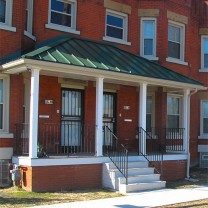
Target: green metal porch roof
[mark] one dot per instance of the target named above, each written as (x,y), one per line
(81,52)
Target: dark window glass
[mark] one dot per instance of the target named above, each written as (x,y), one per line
(205,126)
(148,122)
(114,21)
(114,32)
(148,46)
(61,13)
(173,121)
(205,60)
(174,50)
(3,11)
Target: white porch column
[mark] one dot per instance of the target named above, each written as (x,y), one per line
(142,114)
(99,117)
(186,115)
(33,124)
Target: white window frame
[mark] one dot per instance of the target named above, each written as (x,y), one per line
(8,17)
(180,108)
(153,56)
(63,28)
(181,60)
(4,132)
(202,134)
(28,31)
(203,69)
(125,27)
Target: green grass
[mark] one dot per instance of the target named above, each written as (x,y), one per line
(15,197)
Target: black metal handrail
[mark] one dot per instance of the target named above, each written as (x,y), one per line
(116,151)
(154,150)
(170,138)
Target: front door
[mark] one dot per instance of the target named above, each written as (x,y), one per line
(71,120)
(109,114)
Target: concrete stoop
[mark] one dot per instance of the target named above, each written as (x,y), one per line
(140,178)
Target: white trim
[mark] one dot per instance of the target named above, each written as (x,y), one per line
(61,28)
(182,42)
(20,65)
(6,135)
(29,35)
(203,70)
(151,58)
(203,148)
(143,20)
(58,161)
(7,27)
(125,27)
(71,29)
(116,40)
(203,136)
(176,61)
(29,8)
(202,54)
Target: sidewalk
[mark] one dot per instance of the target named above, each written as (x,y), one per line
(141,199)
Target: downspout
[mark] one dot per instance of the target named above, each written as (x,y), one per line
(188,142)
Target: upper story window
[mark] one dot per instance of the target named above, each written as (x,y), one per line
(29,20)
(6,15)
(204,117)
(173,111)
(176,43)
(62,15)
(204,53)
(116,27)
(148,38)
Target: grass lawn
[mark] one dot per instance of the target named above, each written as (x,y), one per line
(14,197)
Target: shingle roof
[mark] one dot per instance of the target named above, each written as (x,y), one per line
(101,56)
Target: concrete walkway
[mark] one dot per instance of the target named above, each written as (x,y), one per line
(141,199)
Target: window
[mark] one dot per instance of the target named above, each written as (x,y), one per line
(174,111)
(6,15)
(116,27)
(176,42)
(204,117)
(204,52)
(4,104)
(4,173)
(29,20)
(148,38)
(149,116)
(62,15)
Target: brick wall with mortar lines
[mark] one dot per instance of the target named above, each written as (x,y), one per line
(60,178)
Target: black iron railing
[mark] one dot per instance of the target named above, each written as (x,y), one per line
(171,139)
(116,151)
(57,139)
(153,151)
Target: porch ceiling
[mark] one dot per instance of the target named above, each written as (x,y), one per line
(95,55)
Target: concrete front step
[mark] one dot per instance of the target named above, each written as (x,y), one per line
(134,187)
(140,178)
(134,171)
(138,164)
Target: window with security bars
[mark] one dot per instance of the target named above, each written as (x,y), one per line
(4,172)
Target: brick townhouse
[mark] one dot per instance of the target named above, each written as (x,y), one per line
(103,93)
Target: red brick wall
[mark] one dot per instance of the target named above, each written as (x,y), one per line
(59,178)
(172,170)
